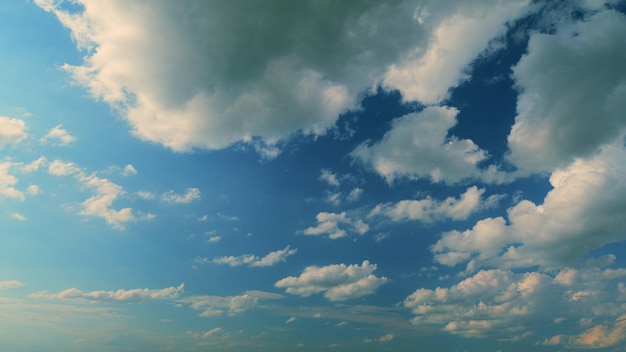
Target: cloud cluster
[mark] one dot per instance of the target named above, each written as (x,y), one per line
(339,282)
(583,211)
(213,306)
(134,295)
(252,260)
(210,74)
(428,210)
(329,224)
(572,92)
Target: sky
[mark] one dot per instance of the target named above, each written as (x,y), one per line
(312,175)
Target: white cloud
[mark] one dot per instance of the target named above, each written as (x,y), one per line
(426,74)
(270,259)
(34,165)
(290,320)
(329,224)
(10,284)
(122,295)
(32,190)
(12,131)
(568,108)
(18,217)
(129,170)
(382,339)
(207,75)
(8,181)
(212,332)
(583,211)
(214,239)
(338,282)
(330,178)
(59,134)
(61,168)
(355,194)
(145,195)
(429,210)
(213,306)
(189,196)
(417,146)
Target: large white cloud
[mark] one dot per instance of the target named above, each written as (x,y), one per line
(208,74)
(572,92)
(339,282)
(584,210)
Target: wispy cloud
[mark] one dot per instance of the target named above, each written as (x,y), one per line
(121,295)
(191,195)
(251,260)
(58,134)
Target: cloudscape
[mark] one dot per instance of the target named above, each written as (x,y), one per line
(311,175)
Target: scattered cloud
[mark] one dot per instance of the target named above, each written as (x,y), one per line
(129,170)
(330,178)
(355,194)
(290,320)
(382,339)
(214,306)
(339,282)
(329,224)
(12,131)
(18,216)
(10,284)
(188,197)
(8,181)
(212,332)
(59,135)
(121,295)
(251,260)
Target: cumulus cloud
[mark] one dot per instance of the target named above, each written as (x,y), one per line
(330,178)
(12,131)
(583,211)
(418,146)
(18,216)
(382,339)
(213,306)
(121,295)
(58,134)
(8,182)
(428,210)
(210,74)
(129,170)
(329,224)
(188,197)
(567,108)
(10,284)
(270,259)
(339,282)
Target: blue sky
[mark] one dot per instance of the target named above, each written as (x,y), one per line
(312,175)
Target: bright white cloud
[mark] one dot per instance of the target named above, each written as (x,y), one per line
(122,295)
(62,168)
(583,211)
(214,306)
(417,146)
(329,224)
(339,282)
(10,284)
(188,197)
(211,74)
(567,108)
(12,131)
(8,181)
(429,210)
(270,259)
(60,135)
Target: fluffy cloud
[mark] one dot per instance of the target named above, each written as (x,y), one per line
(330,178)
(569,107)
(18,216)
(8,181)
(188,197)
(329,224)
(583,211)
(338,282)
(210,74)
(134,295)
(212,306)
(10,284)
(59,134)
(12,131)
(429,210)
(418,146)
(270,259)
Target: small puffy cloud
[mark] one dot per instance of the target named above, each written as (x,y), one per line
(209,75)
(339,282)
(355,194)
(34,165)
(382,339)
(12,131)
(18,217)
(129,170)
(583,211)
(418,146)
(145,195)
(188,197)
(214,306)
(428,210)
(121,295)
(290,320)
(62,168)
(214,239)
(599,336)
(59,135)
(8,181)
(10,284)
(568,108)
(329,224)
(330,178)
(32,190)
(270,259)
